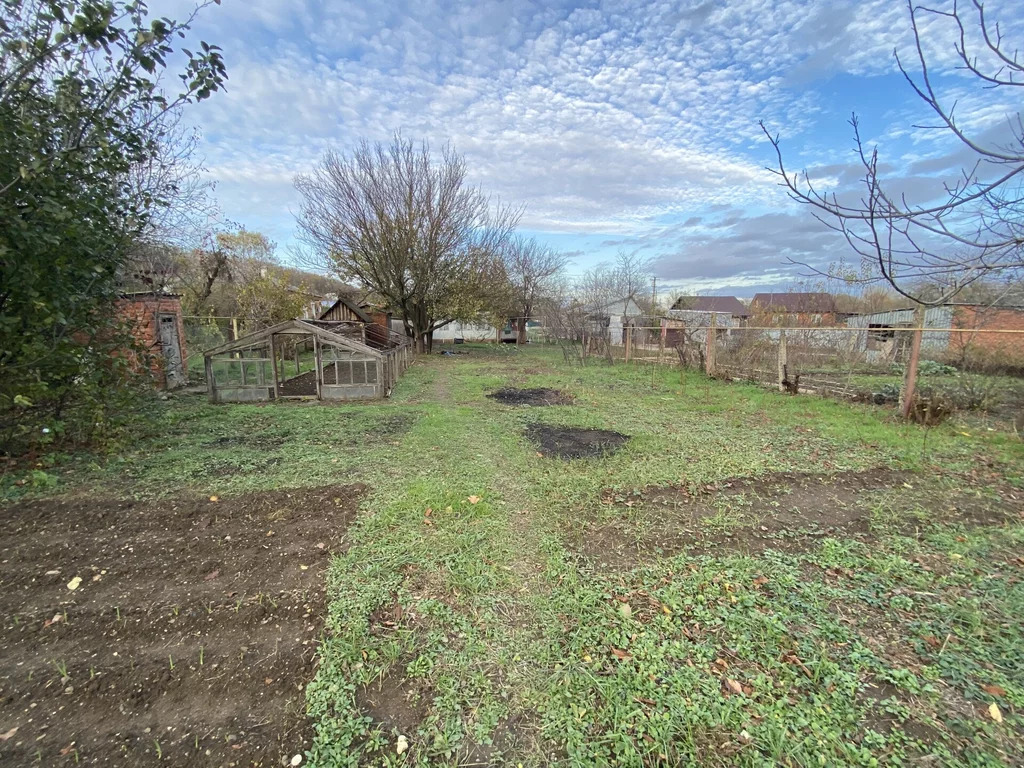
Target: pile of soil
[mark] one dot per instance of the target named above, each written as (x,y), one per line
(304,384)
(187,639)
(573,442)
(538,396)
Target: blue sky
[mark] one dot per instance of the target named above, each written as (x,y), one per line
(616,124)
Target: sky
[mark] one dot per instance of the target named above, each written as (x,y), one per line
(616,125)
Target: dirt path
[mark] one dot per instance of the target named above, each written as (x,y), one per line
(189,634)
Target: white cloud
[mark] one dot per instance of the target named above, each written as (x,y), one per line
(606,119)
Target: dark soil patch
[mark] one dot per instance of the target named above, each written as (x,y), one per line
(573,442)
(538,396)
(194,626)
(786,511)
(303,385)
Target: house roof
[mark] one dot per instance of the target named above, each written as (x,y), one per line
(728,304)
(795,302)
(356,309)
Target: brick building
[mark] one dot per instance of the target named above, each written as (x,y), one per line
(156,323)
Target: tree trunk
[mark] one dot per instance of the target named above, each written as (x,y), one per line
(521,331)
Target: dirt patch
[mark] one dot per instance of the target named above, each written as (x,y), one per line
(573,442)
(537,396)
(190,634)
(786,511)
(395,704)
(303,385)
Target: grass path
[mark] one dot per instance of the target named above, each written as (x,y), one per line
(510,648)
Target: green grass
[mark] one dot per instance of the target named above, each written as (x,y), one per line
(512,647)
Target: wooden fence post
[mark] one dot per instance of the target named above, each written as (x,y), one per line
(910,378)
(629,338)
(709,356)
(782,360)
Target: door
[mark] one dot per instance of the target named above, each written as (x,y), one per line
(170,348)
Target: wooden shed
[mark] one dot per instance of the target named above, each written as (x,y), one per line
(305,359)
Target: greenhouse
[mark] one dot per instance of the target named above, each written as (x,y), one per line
(306,360)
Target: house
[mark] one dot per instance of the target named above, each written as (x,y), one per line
(728,305)
(155,321)
(613,318)
(961,331)
(812,308)
(375,321)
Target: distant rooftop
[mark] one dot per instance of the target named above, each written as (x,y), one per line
(728,304)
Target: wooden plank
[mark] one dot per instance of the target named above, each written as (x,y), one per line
(273,360)
(317,365)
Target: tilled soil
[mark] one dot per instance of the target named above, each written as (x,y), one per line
(189,635)
(787,511)
(536,396)
(573,442)
(302,385)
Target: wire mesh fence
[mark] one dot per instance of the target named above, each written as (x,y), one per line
(203,333)
(979,370)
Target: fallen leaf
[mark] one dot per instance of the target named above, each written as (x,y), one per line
(402,745)
(619,653)
(733,685)
(429,511)
(57,618)
(9,734)
(994,690)
(473,499)
(68,749)
(994,713)
(211,575)
(268,680)
(626,610)
(75,583)
(666,610)
(214,498)
(760,581)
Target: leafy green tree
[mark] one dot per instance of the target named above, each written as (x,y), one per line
(81,106)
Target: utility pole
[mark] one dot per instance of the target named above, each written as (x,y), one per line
(654,294)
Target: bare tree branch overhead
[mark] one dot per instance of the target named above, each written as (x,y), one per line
(974,228)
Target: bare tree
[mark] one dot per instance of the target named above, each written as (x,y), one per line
(412,231)
(531,269)
(974,229)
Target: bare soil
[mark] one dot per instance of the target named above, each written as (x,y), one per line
(303,385)
(188,639)
(573,442)
(785,511)
(537,396)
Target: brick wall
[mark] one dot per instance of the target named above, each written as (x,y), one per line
(141,313)
(977,320)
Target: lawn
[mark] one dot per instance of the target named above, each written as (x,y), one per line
(750,579)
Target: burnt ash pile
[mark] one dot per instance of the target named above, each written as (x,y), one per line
(538,396)
(574,442)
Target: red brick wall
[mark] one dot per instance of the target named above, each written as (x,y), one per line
(141,313)
(977,320)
